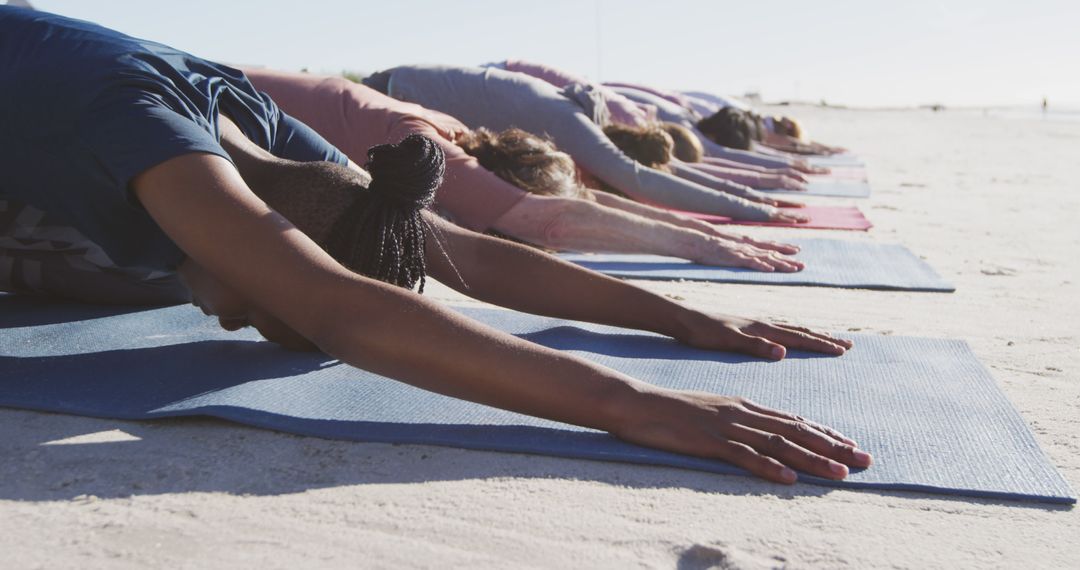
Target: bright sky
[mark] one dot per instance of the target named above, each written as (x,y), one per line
(857,52)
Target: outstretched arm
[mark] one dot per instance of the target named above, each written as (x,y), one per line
(581,225)
(667,216)
(725,163)
(688,172)
(753,179)
(201,202)
(579,137)
(479,266)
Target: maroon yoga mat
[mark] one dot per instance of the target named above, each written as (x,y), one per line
(821,218)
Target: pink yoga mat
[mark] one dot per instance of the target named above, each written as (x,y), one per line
(821,218)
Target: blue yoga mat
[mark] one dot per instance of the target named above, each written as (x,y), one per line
(928,411)
(829,263)
(842,188)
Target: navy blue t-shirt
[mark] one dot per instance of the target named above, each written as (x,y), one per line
(84,109)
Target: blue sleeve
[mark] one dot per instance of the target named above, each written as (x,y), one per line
(299,142)
(125,136)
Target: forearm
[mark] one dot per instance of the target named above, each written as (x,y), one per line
(542,284)
(750,178)
(744,156)
(708,180)
(732,164)
(598,156)
(403,336)
(670,191)
(441,352)
(657,214)
(611,224)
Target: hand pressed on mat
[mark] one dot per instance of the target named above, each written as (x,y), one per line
(775,202)
(788,217)
(756,338)
(749,255)
(766,442)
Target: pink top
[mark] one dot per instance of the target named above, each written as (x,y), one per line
(354,118)
(623,110)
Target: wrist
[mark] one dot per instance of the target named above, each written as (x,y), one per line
(687,321)
(626,404)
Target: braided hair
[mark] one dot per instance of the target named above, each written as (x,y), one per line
(381,233)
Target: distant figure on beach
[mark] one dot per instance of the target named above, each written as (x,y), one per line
(136,173)
(1044,105)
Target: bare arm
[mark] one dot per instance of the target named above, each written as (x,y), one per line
(591,149)
(201,202)
(753,179)
(582,225)
(685,171)
(478,266)
(661,215)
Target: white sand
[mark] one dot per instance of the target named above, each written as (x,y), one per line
(992,203)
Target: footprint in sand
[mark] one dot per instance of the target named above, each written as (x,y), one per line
(720,557)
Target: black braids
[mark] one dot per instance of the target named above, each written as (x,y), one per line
(419,269)
(382,233)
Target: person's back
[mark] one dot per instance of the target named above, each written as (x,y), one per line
(354,118)
(344,105)
(499,100)
(80,125)
(623,111)
(481,97)
(665,110)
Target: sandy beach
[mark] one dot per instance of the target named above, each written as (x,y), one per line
(990,201)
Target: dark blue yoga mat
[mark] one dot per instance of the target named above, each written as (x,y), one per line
(929,412)
(829,263)
(837,188)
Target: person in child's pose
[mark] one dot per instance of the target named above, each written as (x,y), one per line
(573,117)
(512,182)
(115,145)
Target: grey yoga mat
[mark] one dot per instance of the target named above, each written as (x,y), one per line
(829,263)
(929,412)
(837,188)
(843,159)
